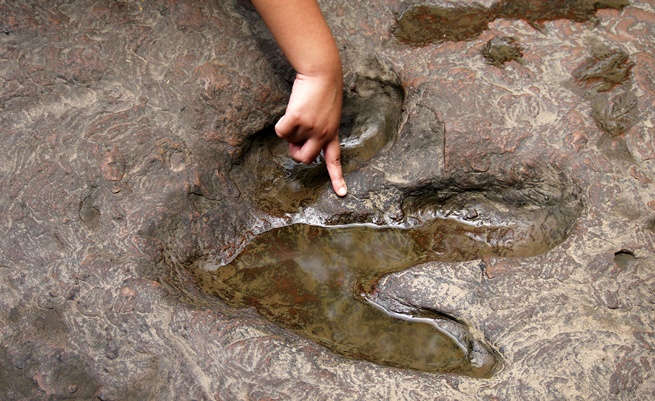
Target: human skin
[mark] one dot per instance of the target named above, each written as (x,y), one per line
(311,121)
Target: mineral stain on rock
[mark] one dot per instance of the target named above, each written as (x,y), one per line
(424,24)
(321,281)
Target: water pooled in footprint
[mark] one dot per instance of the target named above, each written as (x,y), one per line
(309,279)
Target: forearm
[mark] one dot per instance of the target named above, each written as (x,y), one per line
(301,32)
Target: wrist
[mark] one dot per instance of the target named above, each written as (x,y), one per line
(324,65)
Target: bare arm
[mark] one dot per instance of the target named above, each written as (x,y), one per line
(311,122)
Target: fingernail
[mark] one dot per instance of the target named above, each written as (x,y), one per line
(342,191)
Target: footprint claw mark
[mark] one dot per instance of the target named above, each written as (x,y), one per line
(321,281)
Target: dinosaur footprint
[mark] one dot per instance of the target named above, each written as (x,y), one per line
(320,281)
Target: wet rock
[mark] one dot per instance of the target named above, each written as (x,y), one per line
(266,176)
(135,148)
(424,24)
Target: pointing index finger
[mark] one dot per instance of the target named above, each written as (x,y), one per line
(332,153)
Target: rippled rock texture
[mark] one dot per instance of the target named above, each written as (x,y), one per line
(157,239)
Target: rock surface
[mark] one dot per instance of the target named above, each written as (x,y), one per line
(136,145)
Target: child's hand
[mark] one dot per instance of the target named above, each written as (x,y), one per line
(313,115)
(311,122)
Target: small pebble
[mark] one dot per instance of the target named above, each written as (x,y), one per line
(471,214)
